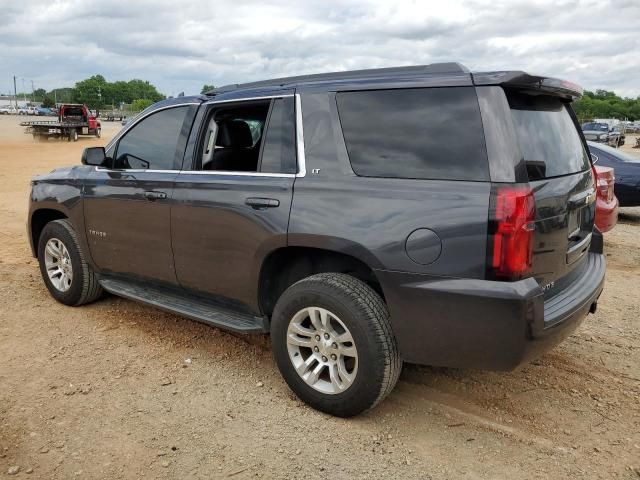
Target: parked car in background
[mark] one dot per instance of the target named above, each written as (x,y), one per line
(45,112)
(32,110)
(23,110)
(602,133)
(8,110)
(606,200)
(627,172)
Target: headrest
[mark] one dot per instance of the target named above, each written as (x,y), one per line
(234,133)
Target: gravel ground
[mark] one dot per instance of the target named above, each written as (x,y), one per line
(120,390)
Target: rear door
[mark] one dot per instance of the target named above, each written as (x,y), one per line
(231,205)
(559,172)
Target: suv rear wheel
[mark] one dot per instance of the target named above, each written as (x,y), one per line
(333,343)
(66,274)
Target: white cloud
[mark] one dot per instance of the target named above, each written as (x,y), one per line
(180,47)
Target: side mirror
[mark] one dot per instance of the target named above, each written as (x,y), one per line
(94,156)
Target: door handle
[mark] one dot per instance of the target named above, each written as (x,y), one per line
(150,195)
(261,203)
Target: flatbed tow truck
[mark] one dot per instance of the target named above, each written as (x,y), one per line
(73,120)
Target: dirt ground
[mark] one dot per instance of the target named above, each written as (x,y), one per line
(120,390)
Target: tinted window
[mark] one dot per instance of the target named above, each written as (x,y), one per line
(414,133)
(547,135)
(278,154)
(152,143)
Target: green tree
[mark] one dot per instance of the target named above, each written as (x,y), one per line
(96,92)
(48,102)
(141,104)
(39,94)
(90,91)
(206,88)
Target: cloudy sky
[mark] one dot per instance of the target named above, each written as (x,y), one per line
(180,47)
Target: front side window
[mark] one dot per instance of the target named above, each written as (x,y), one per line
(152,143)
(422,133)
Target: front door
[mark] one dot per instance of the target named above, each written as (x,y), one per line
(231,208)
(127,206)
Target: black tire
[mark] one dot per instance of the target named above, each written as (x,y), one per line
(98,132)
(84,286)
(74,135)
(366,317)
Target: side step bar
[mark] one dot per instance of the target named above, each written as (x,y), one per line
(195,308)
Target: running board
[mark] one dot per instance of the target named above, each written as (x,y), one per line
(195,308)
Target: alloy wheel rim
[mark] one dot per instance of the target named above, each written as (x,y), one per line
(58,264)
(322,350)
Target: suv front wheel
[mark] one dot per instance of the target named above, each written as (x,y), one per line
(66,274)
(333,343)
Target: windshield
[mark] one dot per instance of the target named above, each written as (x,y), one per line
(547,135)
(596,126)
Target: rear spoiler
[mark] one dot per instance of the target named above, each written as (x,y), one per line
(524,81)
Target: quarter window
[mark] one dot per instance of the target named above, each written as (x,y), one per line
(424,133)
(151,143)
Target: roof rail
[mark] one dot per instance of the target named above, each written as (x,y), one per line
(432,69)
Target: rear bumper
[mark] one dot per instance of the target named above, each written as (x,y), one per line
(485,324)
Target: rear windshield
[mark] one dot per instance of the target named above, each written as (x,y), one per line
(424,133)
(548,138)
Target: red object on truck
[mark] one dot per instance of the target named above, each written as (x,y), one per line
(606,200)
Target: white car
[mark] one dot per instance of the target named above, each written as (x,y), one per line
(8,110)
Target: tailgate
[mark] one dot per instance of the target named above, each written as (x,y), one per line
(559,171)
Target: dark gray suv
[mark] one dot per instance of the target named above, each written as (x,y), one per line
(420,214)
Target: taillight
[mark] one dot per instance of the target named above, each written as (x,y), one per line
(511,229)
(604,185)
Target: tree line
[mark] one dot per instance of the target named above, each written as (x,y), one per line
(606,104)
(97,93)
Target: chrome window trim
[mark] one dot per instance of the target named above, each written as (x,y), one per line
(134,170)
(299,144)
(129,126)
(233,173)
(301,160)
(302,163)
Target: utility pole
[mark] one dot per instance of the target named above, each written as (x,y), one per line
(15,91)
(33,92)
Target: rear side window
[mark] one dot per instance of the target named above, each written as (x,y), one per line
(547,135)
(279,154)
(423,133)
